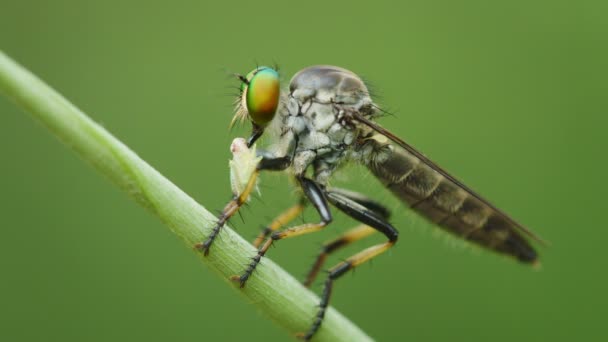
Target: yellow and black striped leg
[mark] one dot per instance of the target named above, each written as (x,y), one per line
(350,236)
(270,164)
(368,217)
(314,193)
(335,273)
(229,210)
(281,220)
(347,238)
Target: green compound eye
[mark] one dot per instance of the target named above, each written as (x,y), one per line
(261,95)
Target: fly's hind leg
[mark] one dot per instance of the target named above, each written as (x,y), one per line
(368,217)
(352,235)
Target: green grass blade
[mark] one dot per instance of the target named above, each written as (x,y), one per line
(275,292)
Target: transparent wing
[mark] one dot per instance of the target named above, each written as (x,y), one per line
(444,200)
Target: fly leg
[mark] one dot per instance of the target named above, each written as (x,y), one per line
(368,217)
(355,234)
(315,194)
(377,208)
(281,220)
(229,210)
(271,164)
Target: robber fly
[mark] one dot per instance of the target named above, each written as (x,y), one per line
(325,118)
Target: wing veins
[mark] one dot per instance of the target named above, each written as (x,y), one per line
(444,173)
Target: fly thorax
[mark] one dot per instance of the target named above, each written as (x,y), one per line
(315,111)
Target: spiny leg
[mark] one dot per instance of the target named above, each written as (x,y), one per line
(350,236)
(336,272)
(281,220)
(354,234)
(315,194)
(370,218)
(270,164)
(229,210)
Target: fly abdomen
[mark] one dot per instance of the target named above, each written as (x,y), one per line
(447,204)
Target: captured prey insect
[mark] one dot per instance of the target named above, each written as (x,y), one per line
(325,118)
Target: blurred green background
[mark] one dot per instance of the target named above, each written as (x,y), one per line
(509,96)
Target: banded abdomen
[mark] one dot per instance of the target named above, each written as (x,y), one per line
(449,205)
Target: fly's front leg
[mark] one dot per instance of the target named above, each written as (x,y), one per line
(278,164)
(271,164)
(315,194)
(229,210)
(368,217)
